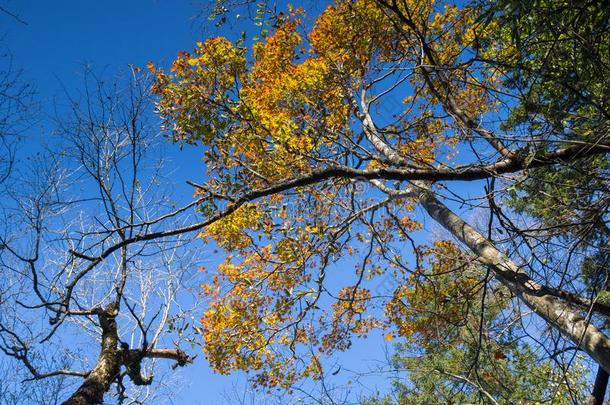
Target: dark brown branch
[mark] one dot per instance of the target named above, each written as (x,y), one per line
(81,255)
(181,357)
(13,15)
(509,165)
(504,166)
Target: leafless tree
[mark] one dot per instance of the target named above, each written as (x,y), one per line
(94,324)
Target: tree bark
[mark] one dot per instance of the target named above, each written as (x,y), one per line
(112,357)
(566,318)
(108,365)
(599,388)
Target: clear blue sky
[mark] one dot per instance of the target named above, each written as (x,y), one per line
(60,37)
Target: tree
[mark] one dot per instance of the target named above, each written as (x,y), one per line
(321,142)
(79,324)
(462,348)
(562,88)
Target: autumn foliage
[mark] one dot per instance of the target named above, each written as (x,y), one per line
(294,103)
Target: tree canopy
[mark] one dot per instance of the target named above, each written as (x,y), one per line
(321,140)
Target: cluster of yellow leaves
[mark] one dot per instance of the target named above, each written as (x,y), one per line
(252,311)
(314,368)
(197,84)
(455,30)
(274,112)
(299,105)
(231,232)
(434,303)
(399,225)
(240,325)
(350,33)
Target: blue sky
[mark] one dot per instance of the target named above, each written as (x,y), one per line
(61,37)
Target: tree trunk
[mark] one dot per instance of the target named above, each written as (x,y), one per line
(599,389)
(567,319)
(98,382)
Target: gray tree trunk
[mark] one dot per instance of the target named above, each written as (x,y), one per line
(567,319)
